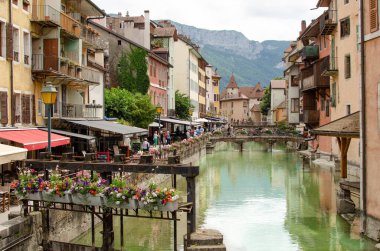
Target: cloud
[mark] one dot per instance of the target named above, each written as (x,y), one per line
(256,19)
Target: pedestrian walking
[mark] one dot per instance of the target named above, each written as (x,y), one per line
(155,138)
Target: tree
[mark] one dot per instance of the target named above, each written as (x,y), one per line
(132,71)
(134,108)
(265,102)
(182,105)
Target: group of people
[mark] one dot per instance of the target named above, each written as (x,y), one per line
(195,132)
(163,137)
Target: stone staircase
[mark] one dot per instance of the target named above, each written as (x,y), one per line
(205,240)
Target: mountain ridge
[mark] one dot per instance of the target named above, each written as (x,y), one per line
(231,51)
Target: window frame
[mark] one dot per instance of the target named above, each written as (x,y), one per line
(293,107)
(347,66)
(345,27)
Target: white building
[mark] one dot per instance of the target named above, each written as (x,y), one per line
(278,92)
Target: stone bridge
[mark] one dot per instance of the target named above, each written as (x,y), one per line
(269,139)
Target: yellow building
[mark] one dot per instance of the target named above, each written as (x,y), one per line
(68,53)
(16,84)
(202,87)
(216,90)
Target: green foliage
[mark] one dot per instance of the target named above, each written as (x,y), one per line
(182,105)
(136,109)
(265,102)
(133,71)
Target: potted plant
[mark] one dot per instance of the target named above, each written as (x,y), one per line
(87,189)
(158,199)
(119,195)
(57,189)
(29,185)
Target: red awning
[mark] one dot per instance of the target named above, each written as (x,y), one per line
(34,139)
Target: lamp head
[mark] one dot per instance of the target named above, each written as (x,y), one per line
(49,94)
(158,108)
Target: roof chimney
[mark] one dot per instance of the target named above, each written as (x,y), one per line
(147,29)
(303,26)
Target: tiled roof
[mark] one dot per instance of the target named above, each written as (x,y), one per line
(138,19)
(232,83)
(278,84)
(255,92)
(164,32)
(256,108)
(348,126)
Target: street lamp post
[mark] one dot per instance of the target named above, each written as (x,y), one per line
(49,96)
(159,110)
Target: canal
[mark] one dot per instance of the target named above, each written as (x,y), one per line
(259,200)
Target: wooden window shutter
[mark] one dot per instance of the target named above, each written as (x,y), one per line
(34,109)
(373,15)
(23,108)
(4,107)
(9,42)
(27,109)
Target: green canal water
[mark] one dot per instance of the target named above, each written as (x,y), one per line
(259,201)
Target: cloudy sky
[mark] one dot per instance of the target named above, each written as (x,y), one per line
(256,19)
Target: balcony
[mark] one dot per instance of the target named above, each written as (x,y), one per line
(328,22)
(70,26)
(329,67)
(90,75)
(311,116)
(46,15)
(311,78)
(65,69)
(79,110)
(91,38)
(310,53)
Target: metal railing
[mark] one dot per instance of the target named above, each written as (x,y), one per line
(16,55)
(42,62)
(26,59)
(79,110)
(89,36)
(328,22)
(45,13)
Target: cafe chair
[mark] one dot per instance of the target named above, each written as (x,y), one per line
(5,198)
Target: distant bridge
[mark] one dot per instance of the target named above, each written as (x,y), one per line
(270,139)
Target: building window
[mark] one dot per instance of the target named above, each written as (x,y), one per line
(345,27)
(2,39)
(347,66)
(373,15)
(39,107)
(348,109)
(346,1)
(333,94)
(118,42)
(232,104)
(25,5)
(16,45)
(327,108)
(15,2)
(294,80)
(4,108)
(295,107)
(322,104)
(26,48)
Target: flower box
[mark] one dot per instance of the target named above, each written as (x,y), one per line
(31,196)
(169,206)
(88,200)
(47,196)
(132,204)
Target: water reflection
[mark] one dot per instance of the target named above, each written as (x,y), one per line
(259,200)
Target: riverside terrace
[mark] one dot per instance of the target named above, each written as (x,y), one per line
(107,170)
